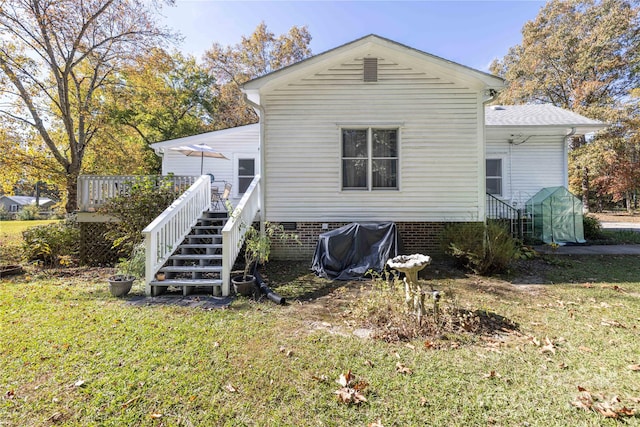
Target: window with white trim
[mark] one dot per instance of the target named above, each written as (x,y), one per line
(246,173)
(369,159)
(494,176)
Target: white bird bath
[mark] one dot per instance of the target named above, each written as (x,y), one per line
(411,265)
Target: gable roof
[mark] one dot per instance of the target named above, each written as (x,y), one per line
(489,80)
(28,200)
(538,115)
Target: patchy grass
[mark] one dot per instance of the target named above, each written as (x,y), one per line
(11,238)
(73,355)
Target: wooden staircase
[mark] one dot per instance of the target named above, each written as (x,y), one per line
(197,263)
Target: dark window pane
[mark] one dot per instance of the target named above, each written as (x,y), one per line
(385,173)
(494,186)
(246,167)
(243,184)
(354,174)
(494,167)
(384,142)
(354,143)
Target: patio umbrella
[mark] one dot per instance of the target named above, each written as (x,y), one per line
(199,150)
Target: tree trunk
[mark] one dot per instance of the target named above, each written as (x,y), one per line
(585,190)
(72,190)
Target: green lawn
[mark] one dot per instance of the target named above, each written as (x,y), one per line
(11,238)
(70,354)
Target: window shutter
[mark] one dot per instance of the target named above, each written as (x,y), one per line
(370,69)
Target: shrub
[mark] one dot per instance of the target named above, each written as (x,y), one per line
(592,228)
(4,213)
(53,244)
(28,213)
(483,249)
(135,265)
(144,200)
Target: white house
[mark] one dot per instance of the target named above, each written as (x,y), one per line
(527,146)
(239,145)
(377,131)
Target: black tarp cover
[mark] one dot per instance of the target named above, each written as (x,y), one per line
(348,252)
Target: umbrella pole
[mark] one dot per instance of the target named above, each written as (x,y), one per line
(201,162)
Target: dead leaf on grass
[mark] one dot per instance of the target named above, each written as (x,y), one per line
(423,401)
(410,346)
(350,392)
(230,388)
(612,323)
(634,367)
(155,415)
(548,347)
(345,378)
(585,349)
(492,374)
(401,369)
(377,423)
(369,363)
(321,378)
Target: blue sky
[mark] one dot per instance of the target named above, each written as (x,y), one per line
(472,33)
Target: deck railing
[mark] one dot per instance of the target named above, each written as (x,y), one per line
(233,232)
(165,233)
(95,190)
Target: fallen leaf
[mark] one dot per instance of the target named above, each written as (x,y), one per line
(377,423)
(10,394)
(321,378)
(400,368)
(289,353)
(627,411)
(155,415)
(369,363)
(345,379)
(605,411)
(634,367)
(216,344)
(580,388)
(585,349)
(548,347)
(231,388)
(423,401)
(428,344)
(360,385)
(57,416)
(411,346)
(492,374)
(79,383)
(563,365)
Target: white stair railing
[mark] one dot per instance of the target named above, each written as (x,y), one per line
(169,229)
(233,232)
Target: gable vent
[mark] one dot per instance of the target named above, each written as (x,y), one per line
(370,69)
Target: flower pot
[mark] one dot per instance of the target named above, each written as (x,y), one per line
(244,286)
(120,285)
(160,277)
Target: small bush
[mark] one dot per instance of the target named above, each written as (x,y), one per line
(144,200)
(483,249)
(53,244)
(4,213)
(592,228)
(28,213)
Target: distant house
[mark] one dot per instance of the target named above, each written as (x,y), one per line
(17,203)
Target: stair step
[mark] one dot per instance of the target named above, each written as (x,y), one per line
(195,256)
(186,282)
(207,227)
(203,236)
(201,245)
(192,269)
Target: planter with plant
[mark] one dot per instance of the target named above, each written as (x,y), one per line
(127,271)
(257,250)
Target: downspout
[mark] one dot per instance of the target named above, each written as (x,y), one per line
(263,177)
(565,155)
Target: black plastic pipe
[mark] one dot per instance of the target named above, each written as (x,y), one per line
(265,289)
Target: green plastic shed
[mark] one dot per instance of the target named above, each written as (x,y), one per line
(556,216)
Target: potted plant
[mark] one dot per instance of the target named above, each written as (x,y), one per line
(128,270)
(257,251)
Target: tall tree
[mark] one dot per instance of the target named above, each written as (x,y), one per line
(57,57)
(583,55)
(165,96)
(259,54)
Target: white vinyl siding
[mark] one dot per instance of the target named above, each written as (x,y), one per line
(530,166)
(438,119)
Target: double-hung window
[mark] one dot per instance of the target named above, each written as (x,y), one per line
(246,173)
(369,159)
(494,176)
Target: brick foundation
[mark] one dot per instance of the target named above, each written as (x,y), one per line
(413,237)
